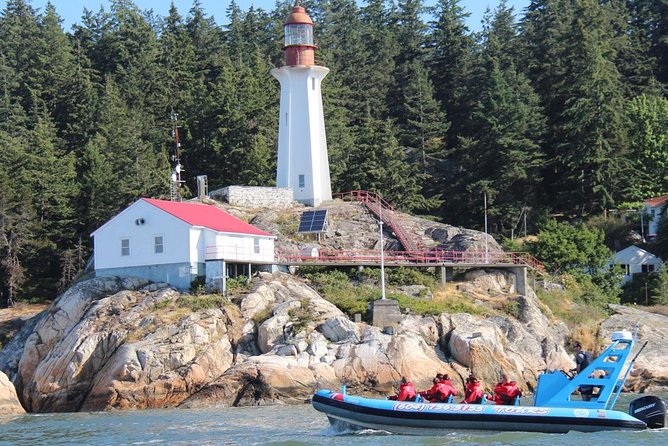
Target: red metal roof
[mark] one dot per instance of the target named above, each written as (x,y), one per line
(207,216)
(298,15)
(657,201)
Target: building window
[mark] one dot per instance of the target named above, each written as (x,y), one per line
(626,268)
(302,180)
(125,247)
(256,245)
(158,246)
(647,268)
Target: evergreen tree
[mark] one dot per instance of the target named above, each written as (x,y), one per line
(509,124)
(451,64)
(648,139)
(571,45)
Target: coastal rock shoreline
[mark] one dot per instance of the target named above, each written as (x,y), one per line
(123,343)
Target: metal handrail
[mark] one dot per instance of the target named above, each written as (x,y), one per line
(422,257)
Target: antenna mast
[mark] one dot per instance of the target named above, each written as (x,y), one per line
(175,176)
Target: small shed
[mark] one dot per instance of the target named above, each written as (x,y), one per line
(635,260)
(178,242)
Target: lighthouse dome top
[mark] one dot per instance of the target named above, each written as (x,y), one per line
(298,15)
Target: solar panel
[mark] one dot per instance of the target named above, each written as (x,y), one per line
(313,221)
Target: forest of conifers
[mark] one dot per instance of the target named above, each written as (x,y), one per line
(559,109)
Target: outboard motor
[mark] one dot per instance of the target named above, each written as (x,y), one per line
(651,410)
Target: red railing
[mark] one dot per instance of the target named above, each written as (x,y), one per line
(426,257)
(386,212)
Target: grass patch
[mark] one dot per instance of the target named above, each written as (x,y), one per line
(300,316)
(263,315)
(288,224)
(657,309)
(571,308)
(346,292)
(199,303)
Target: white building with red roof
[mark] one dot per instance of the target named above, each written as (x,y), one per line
(177,242)
(654,208)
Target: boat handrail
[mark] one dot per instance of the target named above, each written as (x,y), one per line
(620,383)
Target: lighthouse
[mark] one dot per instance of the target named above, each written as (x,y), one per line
(302,146)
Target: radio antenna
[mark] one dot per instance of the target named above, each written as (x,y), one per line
(175,176)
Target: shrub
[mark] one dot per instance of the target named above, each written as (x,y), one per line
(236,284)
(410,276)
(197,286)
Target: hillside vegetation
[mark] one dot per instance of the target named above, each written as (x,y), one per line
(556,110)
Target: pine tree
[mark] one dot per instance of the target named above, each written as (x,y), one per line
(502,158)
(450,60)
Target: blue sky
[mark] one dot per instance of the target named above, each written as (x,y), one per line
(70,10)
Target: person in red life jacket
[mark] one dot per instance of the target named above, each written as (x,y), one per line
(448,388)
(406,391)
(438,393)
(473,393)
(506,391)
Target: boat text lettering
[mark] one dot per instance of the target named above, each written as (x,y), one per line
(522,410)
(417,407)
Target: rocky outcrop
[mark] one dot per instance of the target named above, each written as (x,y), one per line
(352,226)
(122,343)
(651,366)
(9,402)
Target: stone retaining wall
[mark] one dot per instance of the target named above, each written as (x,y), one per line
(256,197)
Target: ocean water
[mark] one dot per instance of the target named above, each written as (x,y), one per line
(269,425)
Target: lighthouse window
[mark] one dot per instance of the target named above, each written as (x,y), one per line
(302,181)
(286,118)
(313,83)
(298,34)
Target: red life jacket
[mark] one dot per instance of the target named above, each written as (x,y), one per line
(447,389)
(473,393)
(505,393)
(438,393)
(406,392)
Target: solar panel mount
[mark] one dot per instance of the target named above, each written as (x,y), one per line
(313,221)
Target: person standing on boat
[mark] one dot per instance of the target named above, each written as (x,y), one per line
(473,393)
(406,391)
(582,361)
(506,391)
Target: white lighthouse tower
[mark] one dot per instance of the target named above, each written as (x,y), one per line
(302,146)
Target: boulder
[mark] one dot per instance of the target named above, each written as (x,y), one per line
(339,329)
(651,366)
(9,401)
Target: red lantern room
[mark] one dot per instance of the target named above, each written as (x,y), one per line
(298,46)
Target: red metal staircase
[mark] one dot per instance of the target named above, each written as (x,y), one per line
(385,212)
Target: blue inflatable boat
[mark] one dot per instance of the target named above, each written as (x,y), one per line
(556,409)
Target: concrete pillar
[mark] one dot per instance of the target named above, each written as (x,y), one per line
(521,279)
(385,313)
(446,274)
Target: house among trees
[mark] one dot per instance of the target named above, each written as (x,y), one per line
(177,243)
(636,260)
(654,208)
